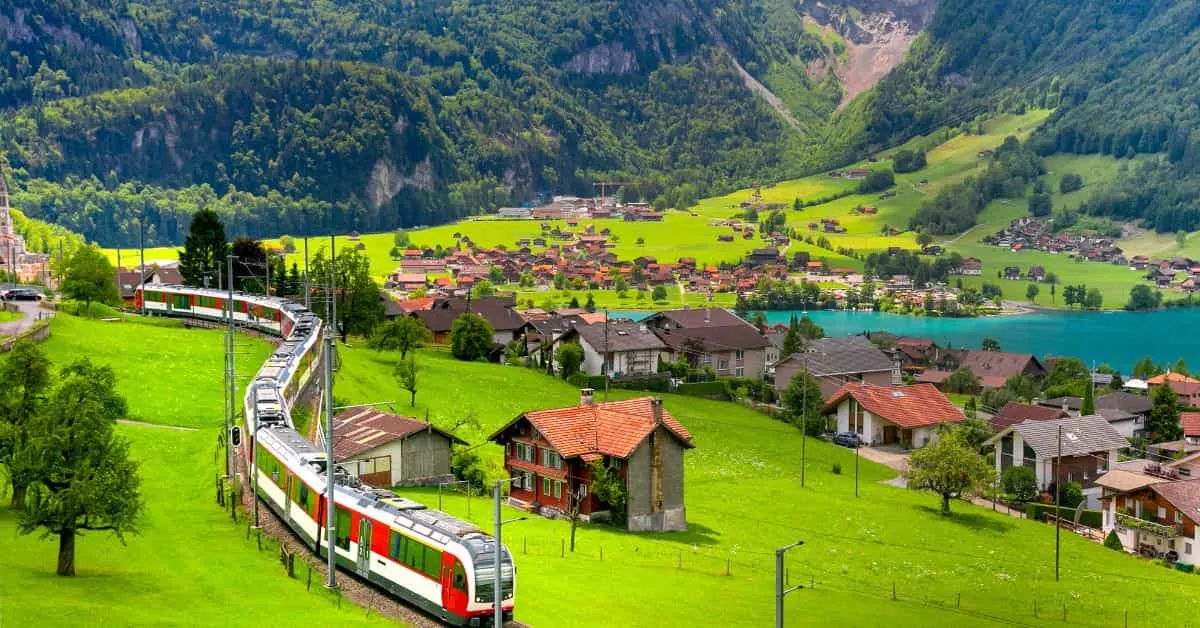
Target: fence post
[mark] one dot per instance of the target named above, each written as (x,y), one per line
(893,590)
(525,545)
(308,584)
(601,553)
(958,602)
(563,549)
(1064,610)
(1127,618)
(1035,608)
(727,561)
(679,563)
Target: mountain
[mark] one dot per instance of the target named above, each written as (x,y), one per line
(303,117)
(1121,77)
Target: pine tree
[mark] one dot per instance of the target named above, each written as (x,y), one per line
(204,250)
(1163,423)
(792,341)
(1089,400)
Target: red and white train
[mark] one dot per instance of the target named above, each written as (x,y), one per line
(442,565)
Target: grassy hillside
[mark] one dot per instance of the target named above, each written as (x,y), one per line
(744,499)
(189,565)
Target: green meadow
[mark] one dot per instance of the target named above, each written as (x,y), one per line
(744,499)
(190,565)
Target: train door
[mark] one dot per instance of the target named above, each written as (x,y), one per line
(287,498)
(363,566)
(454,584)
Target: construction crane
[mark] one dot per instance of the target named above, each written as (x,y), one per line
(604,185)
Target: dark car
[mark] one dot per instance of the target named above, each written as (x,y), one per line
(22,294)
(847,439)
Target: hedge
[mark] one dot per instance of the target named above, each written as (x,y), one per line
(1089,518)
(652,383)
(583,380)
(710,390)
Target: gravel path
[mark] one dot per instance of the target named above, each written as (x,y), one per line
(30,311)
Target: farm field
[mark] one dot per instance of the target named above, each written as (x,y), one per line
(190,565)
(743,499)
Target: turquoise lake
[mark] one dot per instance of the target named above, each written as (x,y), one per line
(1115,338)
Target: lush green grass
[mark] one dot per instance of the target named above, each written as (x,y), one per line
(129,257)
(168,374)
(744,499)
(190,566)
(8,317)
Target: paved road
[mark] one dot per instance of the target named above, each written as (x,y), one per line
(893,457)
(31,311)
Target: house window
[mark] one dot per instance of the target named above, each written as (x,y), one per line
(1162,512)
(741,372)
(524,452)
(551,459)
(706,358)
(558,490)
(615,464)
(723,364)
(740,355)
(1171,544)
(1187,548)
(1178,517)
(546,487)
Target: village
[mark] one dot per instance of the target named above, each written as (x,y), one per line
(1028,233)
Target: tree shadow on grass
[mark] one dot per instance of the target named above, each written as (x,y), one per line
(697,534)
(972,520)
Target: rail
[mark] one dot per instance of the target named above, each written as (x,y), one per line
(1169,531)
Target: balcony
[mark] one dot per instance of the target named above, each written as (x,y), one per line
(1169,531)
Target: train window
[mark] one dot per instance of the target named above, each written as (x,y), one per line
(460,577)
(395,547)
(304,495)
(433,562)
(342,533)
(414,555)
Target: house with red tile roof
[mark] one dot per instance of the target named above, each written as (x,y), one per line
(384,449)
(549,456)
(884,415)
(1187,389)
(1190,421)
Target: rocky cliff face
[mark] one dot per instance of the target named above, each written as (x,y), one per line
(877,34)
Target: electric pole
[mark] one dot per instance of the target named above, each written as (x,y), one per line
(307,288)
(1057,504)
(804,423)
(142,259)
(330,520)
(779,590)
(229,367)
(605,364)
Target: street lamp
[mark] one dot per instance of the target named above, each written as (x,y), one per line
(498,592)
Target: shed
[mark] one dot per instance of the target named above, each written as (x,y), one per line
(384,449)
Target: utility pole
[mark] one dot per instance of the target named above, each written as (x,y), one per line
(330,520)
(497,583)
(604,365)
(1057,504)
(856,446)
(333,282)
(804,423)
(779,590)
(307,287)
(142,258)
(229,366)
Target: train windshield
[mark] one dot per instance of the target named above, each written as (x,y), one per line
(485,575)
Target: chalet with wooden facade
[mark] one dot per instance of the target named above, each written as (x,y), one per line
(1087,450)
(712,337)
(549,456)
(1154,507)
(835,362)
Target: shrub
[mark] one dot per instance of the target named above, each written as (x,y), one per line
(837,469)
(1020,483)
(1112,541)
(1184,567)
(1072,495)
(1089,518)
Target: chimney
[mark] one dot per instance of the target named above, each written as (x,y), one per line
(585,396)
(1065,405)
(656,409)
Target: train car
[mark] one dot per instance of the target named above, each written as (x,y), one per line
(440,564)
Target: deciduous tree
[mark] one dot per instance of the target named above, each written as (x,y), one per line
(359,303)
(962,381)
(84,479)
(803,399)
(26,377)
(403,334)
(1020,483)
(406,374)
(569,356)
(89,277)
(470,337)
(949,467)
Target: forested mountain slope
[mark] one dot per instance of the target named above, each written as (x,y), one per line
(1124,77)
(368,115)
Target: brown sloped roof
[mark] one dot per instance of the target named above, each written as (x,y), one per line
(613,428)
(362,429)
(998,363)
(1184,495)
(620,336)
(1013,413)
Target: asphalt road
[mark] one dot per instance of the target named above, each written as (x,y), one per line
(30,310)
